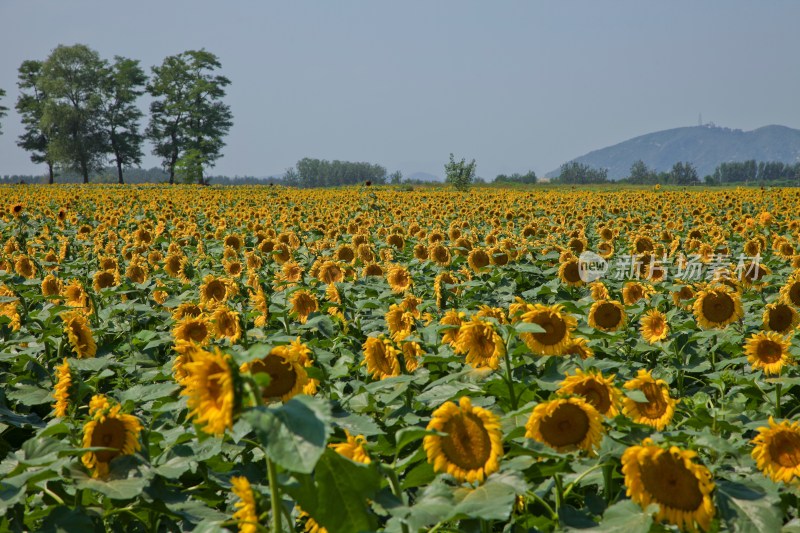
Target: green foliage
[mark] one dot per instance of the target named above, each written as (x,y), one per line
(683,173)
(3,110)
(395,178)
(323,173)
(30,106)
(72,77)
(123,84)
(579,173)
(459,174)
(529,178)
(188,119)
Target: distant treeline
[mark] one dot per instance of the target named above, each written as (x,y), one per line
(684,173)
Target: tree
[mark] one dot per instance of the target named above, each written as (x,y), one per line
(579,173)
(641,174)
(395,178)
(516,177)
(187,117)
(30,105)
(683,174)
(459,174)
(123,84)
(3,110)
(72,78)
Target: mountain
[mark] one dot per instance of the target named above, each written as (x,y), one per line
(704,146)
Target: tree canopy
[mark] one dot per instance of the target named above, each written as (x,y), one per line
(459,174)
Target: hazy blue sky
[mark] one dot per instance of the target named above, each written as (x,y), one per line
(516,85)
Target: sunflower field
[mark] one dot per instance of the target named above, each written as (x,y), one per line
(374,359)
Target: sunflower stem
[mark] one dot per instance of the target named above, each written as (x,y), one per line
(509,379)
(559,492)
(394,482)
(540,501)
(274,495)
(778,400)
(608,482)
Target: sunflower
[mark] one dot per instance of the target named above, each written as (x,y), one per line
(108,428)
(399,278)
(682,296)
(381,358)
(482,345)
(672,480)
(191,329)
(454,319)
(478,259)
(566,424)
(79,334)
(246,514)
(352,448)
(303,304)
(187,309)
(226,324)
(632,292)
(607,315)
(75,295)
(654,326)
(580,347)
(330,272)
(209,385)
(105,279)
(598,291)
(717,307)
(214,290)
(25,267)
(51,286)
(557,324)
(659,408)
(285,366)
(472,447)
(400,322)
(412,351)
(777,450)
(570,273)
(64,385)
(791,291)
(599,391)
(9,309)
(767,351)
(443,279)
(780,317)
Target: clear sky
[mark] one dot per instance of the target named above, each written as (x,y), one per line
(516,85)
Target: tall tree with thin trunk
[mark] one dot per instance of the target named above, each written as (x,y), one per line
(72,77)
(3,110)
(188,119)
(123,84)
(30,106)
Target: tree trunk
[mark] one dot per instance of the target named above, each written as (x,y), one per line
(119,171)
(50,171)
(85,171)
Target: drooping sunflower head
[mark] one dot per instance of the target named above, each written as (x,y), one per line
(634,291)
(717,306)
(79,334)
(777,450)
(453,320)
(480,343)
(681,298)
(303,304)
(658,409)
(472,447)
(767,351)
(599,291)
(330,272)
(210,385)
(607,315)
(108,428)
(670,478)
(566,425)
(380,357)
(557,324)
(399,321)
(579,346)
(215,290)
(51,286)
(64,389)
(654,326)
(780,317)
(226,324)
(599,391)
(246,514)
